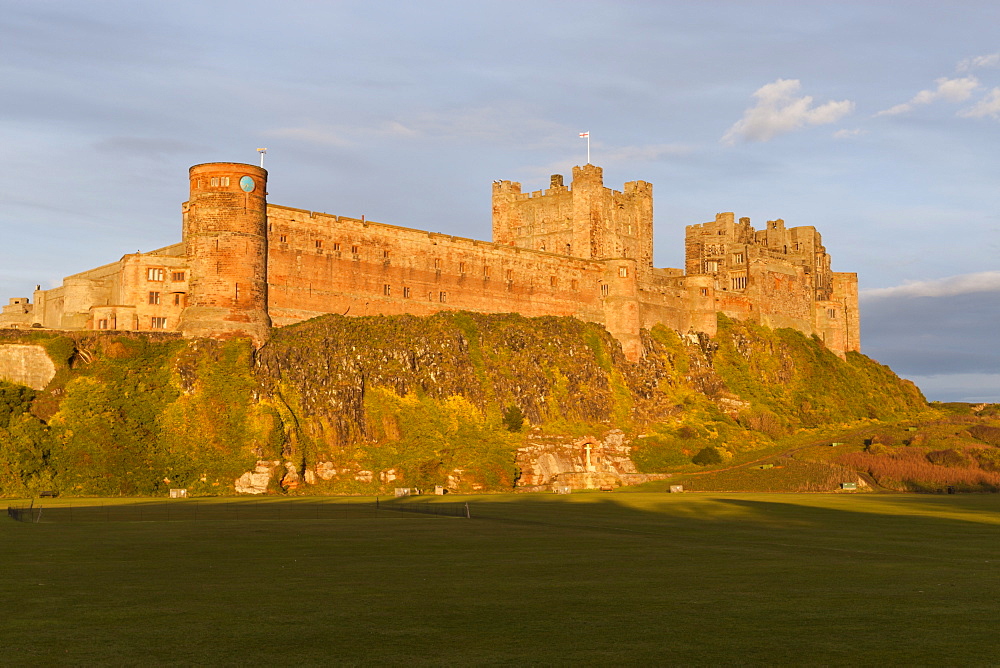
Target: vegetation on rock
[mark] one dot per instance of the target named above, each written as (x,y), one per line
(361,405)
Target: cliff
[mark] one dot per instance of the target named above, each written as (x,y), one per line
(362,405)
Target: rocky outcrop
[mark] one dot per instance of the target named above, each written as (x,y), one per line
(258,480)
(581,463)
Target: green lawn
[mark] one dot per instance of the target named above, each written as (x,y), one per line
(584,579)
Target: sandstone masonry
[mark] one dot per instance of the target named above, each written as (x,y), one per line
(583,250)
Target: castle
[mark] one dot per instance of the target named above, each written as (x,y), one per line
(244,266)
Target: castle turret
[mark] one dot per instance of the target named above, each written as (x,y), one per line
(225,237)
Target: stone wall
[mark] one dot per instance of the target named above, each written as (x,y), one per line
(26,365)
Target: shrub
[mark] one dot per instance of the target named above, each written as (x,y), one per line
(708,456)
(14,400)
(986,433)
(950,457)
(513,418)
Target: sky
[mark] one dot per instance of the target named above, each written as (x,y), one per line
(877,122)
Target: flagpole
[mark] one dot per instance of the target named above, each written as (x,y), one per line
(586,135)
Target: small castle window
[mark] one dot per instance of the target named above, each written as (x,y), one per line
(711,265)
(102,324)
(155,274)
(385,255)
(437,263)
(177,276)
(574,284)
(386,290)
(430,296)
(406,293)
(319,244)
(739,282)
(443,297)
(738,258)
(283,238)
(159,323)
(354,249)
(461,267)
(486,272)
(214,181)
(623,272)
(553,281)
(704,292)
(832,312)
(224,181)
(604,289)
(336,246)
(154,297)
(509,275)
(178,299)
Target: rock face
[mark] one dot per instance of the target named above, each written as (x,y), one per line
(581,463)
(257,481)
(26,365)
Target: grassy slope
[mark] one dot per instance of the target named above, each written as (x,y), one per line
(590,579)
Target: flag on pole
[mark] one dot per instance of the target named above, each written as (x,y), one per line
(584,134)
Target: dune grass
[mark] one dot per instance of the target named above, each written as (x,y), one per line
(584,579)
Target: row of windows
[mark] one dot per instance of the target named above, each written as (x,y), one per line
(408,294)
(523,230)
(219,181)
(462,267)
(154,298)
(154,323)
(739,282)
(553,282)
(713,265)
(160,274)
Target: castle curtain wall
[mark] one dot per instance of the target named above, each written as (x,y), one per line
(582,250)
(320,263)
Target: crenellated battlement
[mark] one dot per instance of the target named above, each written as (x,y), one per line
(579,249)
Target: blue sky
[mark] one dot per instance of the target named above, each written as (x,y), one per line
(876,122)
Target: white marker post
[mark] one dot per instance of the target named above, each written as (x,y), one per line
(587,136)
(263,152)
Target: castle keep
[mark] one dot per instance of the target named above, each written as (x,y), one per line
(583,250)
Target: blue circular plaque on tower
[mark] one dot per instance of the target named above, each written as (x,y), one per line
(247,184)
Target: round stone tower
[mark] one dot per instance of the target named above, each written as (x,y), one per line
(225,237)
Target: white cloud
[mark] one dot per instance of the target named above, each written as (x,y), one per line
(983,281)
(778,111)
(989,60)
(949,90)
(988,106)
(848,134)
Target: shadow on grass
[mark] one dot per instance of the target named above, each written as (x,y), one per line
(214,509)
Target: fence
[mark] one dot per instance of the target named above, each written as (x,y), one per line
(428,508)
(186,510)
(25,513)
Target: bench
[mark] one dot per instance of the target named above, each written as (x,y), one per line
(49,493)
